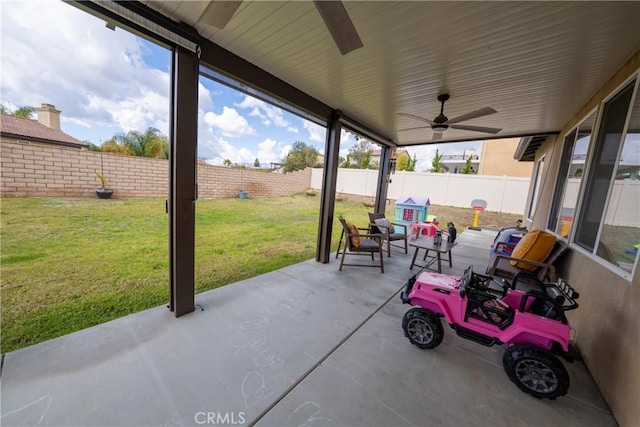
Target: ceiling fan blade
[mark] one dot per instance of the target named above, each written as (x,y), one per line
(413,116)
(436,136)
(219,12)
(472,115)
(339,24)
(416,128)
(476,128)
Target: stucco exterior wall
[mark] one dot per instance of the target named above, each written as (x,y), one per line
(46,170)
(496,158)
(606,323)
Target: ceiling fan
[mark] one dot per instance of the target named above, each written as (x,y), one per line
(441,123)
(219,12)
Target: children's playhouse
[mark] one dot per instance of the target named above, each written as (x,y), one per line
(410,209)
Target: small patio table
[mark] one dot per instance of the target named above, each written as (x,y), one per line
(427,244)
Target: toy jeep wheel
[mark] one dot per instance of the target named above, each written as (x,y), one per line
(422,328)
(536,371)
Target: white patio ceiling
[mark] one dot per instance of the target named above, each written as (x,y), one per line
(536,63)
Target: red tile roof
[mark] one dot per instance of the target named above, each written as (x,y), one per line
(32,130)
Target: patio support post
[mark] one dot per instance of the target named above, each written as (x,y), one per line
(384,177)
(182,181)
(328,191)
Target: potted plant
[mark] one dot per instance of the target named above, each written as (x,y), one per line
(103,192)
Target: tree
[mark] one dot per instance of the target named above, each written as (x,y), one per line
(360,154)
(367,161)
(300,157)
(402,161)
(25,111)
(227,163)
(256,163)
(113,147)
(411,165)
(151,143)
(468,168)
(92,146)
(405,163)
(346,162)
(436,165)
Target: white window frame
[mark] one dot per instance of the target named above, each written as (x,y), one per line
(589,165)
(593,113)
(537,185)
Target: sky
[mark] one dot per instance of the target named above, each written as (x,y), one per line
(106,82)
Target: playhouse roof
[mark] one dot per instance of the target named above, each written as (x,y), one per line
(413,201)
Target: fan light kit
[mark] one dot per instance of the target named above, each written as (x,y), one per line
(441,123)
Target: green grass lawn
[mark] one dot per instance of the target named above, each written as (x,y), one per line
(68,264)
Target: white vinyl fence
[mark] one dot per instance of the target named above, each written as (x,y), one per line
(502,193)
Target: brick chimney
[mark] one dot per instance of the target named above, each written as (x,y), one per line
(49,116)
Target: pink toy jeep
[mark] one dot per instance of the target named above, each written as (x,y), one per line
(531,324)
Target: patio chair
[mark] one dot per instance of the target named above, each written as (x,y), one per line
(506,266)
(360,244)
(378,224)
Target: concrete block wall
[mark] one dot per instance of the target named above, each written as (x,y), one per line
(44,170)
(220,182)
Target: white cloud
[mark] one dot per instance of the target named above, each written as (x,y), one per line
(424,155)
(220,149)
(272,151)
(268,114)
(347,138)
(204,97)
(250,102)
(266,152)
(102,82)
(316,132)
(230,123)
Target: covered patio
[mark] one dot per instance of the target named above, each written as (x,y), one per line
(304,345)
(307,344)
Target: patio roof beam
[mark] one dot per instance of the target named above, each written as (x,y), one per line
(363,130)
(484,138)
(227,63)
(141,20)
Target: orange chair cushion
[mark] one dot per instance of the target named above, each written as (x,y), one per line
(355,235)
(535,246)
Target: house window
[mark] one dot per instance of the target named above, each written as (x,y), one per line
(407,215)
(608,223)
(568,183)
(537,177)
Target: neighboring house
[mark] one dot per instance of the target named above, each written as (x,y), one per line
(496,158)
(585,189)
(455,163)
(44,130)
(375,154)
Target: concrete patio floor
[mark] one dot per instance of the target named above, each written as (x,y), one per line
(304,345)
